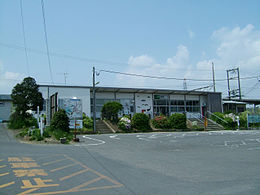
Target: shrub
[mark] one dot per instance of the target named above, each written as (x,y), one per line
(60,121)
(87,121)
(161,122)
(230,124)
(110,111)
(36,135)
(216,117)
(178,121)
(243,119)
(18,121)
(140,121)
(62,134)
(124,124)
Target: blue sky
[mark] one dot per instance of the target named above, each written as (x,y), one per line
(160,38)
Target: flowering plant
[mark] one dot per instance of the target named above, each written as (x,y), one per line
(124,124)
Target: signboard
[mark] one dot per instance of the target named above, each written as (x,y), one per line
(78,124)
(253,118)
(73,107)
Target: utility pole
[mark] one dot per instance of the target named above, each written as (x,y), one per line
(233,74)
(94,100)
(213,74)
(184,84)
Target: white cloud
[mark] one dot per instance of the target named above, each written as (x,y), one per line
(237,47)
(143,61)
(191,34)
(8,80)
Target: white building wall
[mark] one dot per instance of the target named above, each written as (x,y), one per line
(177,97)
(124,95)
(144,102)
(70,92)
(104,95)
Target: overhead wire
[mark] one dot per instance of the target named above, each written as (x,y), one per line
(46,39)
(24,39)
(167,78)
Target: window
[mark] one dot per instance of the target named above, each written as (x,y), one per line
(2,104)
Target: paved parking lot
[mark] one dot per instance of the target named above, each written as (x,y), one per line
(224,162)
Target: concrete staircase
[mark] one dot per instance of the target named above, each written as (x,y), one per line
(212,126)
(102,127)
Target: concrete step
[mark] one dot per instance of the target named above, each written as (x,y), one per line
(102,127)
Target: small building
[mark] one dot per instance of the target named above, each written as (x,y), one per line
(234,106)
(6,107)
(153,102)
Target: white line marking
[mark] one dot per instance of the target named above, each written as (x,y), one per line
(256,148)
(93,139)
(144,139)
(114,137)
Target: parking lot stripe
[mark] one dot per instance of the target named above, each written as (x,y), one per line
(52,162)
(60,168)
(2,166)
(7,184)
(3,174)
(74,174)
(28,191)
(86,183)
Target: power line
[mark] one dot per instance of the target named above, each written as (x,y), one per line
(24,39)
(46,39)
(166,78)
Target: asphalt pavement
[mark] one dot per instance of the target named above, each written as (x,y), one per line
(223,162)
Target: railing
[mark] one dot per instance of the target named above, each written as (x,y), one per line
(200,118)
(217,116)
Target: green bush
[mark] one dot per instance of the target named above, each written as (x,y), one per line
(217,117)
(230,124)
(24,132)
(243,119)
(36,135)
(140,121)
(161,122)
(110,111)
(62,134)
(178,121)
(18,121)
(87,121)
(60,121)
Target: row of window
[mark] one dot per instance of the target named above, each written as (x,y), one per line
(176,102)
(175,105)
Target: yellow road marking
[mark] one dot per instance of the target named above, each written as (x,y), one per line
(2,166)
(7,184)
(60,168)
(72,175)
(39,183)
(86,183)
(3,174)
(93,171)
(52,162)
(28,191)
(80,190)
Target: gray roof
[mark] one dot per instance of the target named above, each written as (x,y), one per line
(5,97)
(136,90)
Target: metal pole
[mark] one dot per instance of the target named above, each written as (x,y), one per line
(94,101)
(213,72)
(229,97)
(238,77)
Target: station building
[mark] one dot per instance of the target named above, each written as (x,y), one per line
(152,102)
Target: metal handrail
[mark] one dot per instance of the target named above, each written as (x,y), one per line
(217,117)
(197,117)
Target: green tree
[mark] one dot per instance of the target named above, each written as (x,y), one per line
(110,111)
(60,121)
(26,96)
